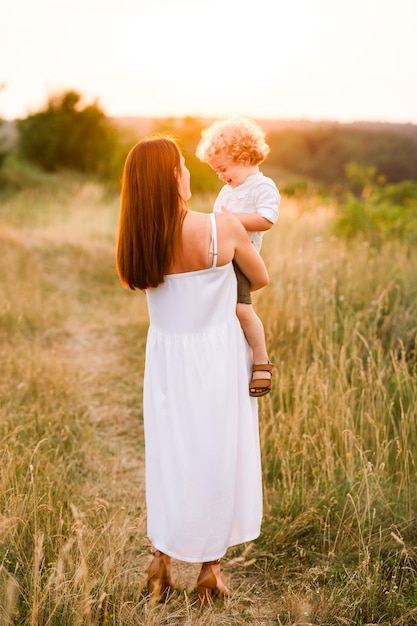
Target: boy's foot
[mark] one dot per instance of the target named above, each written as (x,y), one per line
(261,384)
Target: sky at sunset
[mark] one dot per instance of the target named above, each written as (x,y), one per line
(340,60)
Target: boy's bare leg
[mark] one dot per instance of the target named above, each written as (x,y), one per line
(255,336)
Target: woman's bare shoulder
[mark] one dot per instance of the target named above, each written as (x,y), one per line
(227,221)
(229,225)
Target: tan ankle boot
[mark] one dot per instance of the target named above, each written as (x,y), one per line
(210,583)
(159,576)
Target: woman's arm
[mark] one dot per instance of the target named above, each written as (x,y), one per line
(236,239)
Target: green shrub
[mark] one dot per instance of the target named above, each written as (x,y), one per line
(66,136)
(376,209)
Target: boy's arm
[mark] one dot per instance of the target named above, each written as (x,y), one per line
(252,222)
(266,201)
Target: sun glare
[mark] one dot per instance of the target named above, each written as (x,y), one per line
(215,57)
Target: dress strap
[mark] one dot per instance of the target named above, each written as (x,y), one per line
(213,244)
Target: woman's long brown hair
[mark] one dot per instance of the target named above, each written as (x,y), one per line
(150,213)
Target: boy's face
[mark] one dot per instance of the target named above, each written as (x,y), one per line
(229,172)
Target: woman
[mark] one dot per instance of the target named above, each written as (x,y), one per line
(203,472)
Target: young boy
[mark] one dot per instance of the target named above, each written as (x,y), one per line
(234,149)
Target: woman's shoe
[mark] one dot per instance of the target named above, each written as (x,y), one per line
(209,582)
(159,576)
(261,386)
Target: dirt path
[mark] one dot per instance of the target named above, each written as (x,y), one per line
(92,354)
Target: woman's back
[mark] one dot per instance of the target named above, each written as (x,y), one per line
(196,244)
(199,296)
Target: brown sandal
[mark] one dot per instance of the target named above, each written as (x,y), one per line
(261,386)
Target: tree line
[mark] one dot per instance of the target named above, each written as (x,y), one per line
(323,152)
(68,134)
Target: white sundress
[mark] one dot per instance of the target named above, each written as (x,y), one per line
(203,468)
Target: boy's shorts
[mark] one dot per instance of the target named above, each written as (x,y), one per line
(243,286)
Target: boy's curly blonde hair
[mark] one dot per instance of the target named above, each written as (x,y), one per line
(238,137)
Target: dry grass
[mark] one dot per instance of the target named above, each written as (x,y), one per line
(339,435)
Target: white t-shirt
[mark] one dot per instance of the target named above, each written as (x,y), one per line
(257,194)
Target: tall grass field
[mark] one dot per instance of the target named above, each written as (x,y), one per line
(338,432)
